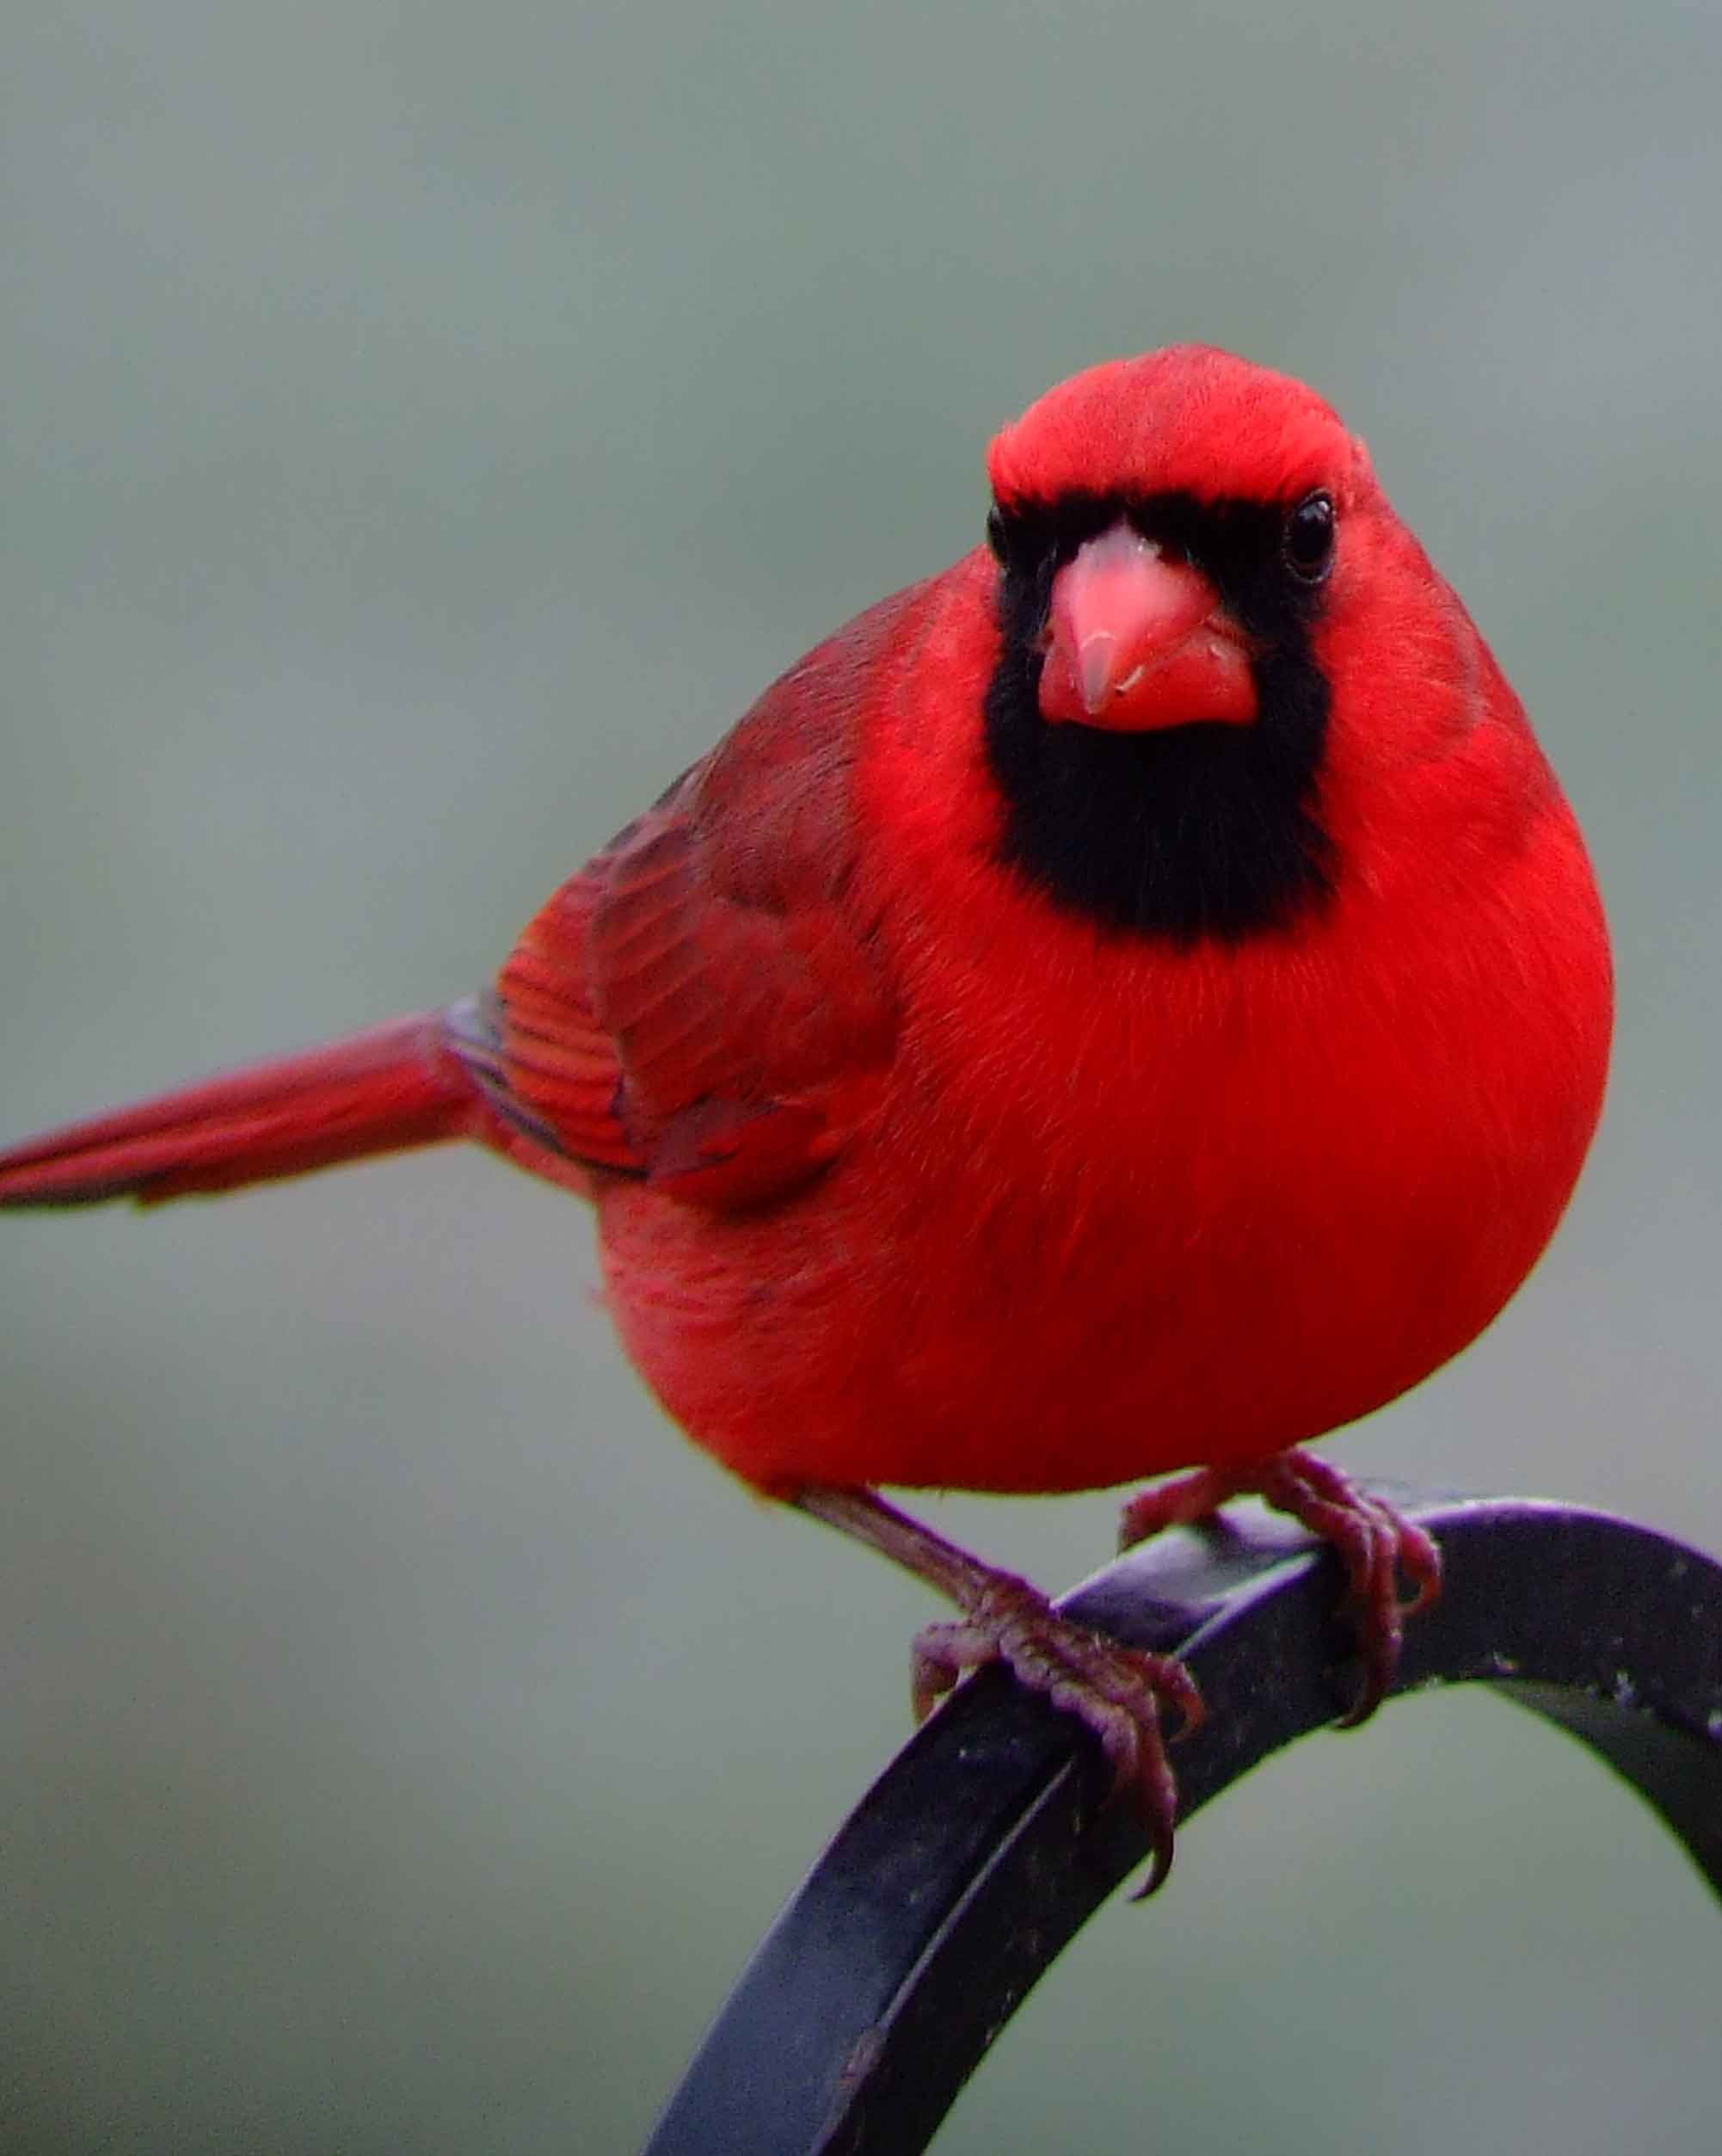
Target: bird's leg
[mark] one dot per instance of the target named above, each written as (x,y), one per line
(1374,1542)
(1116,1691)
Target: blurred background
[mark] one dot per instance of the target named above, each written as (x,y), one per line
(425,429)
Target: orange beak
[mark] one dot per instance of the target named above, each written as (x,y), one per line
(1136,640)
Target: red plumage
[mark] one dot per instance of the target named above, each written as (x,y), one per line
(912,1169)
(397,1086)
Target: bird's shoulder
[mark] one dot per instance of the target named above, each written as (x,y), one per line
(704,1003)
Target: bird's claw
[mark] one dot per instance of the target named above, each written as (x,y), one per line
(1117,1692)
(1375,1542)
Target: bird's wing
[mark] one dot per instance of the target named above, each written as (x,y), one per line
(702,1004)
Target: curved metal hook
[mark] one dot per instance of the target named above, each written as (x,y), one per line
(987,1842)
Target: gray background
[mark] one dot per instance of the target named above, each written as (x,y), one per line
(425,429)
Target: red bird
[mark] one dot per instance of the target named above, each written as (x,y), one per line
(1136,1001)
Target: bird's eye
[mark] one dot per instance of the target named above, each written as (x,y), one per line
(995,532)
(1309,537)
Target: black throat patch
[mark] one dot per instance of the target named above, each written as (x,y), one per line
(1184,832)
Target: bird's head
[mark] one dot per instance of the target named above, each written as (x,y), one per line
(1187,546)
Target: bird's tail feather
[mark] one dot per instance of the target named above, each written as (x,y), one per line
(398,1085)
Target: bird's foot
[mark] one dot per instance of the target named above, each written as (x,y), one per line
(1374,1541)
(1116,1691)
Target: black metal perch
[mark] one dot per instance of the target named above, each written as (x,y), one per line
(986,1843)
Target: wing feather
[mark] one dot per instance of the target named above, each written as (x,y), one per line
(702,1004)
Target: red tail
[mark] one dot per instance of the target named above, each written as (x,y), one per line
(398,1085)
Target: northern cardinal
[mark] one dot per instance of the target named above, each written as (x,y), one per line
(1136,1001)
